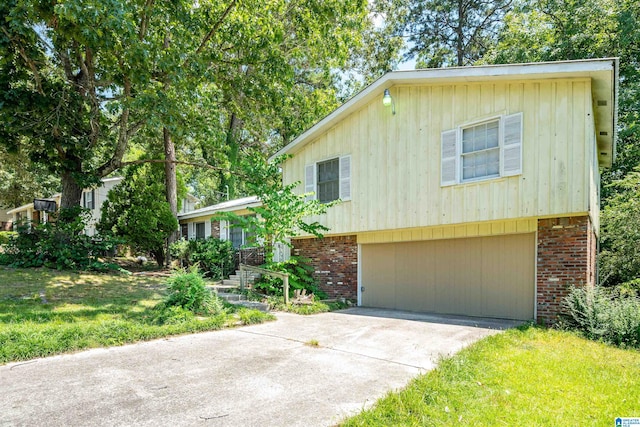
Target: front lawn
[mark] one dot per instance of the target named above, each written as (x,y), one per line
(527,377)
(45,312)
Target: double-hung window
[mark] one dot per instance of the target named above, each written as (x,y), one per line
(482,150)
(329,180)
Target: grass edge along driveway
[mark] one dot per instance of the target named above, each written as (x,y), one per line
(527,376)
(45,312)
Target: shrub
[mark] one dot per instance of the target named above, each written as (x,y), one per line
(173,315)
(630,288)
(300,277)
(187,290)
(61,245)
(609,315)
(214,257)
(7,236)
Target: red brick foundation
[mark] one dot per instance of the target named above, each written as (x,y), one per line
(335,262)
(566,257)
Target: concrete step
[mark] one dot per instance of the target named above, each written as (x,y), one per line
(249,278)
(222,289)
(228,282)
(230,297)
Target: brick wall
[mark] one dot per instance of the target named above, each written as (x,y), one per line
(215,229)
(335,262)
(566,256)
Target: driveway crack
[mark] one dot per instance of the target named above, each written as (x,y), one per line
(338,350)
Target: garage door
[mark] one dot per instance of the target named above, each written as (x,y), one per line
(482,276)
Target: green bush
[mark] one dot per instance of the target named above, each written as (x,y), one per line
(61,245)
(630,288)
(6,236)
(605,314)
(214,257)
(173,315)
(188,290)
(300,277)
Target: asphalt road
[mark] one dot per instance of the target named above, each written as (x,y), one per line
(263,375)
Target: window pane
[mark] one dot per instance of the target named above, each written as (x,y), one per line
(492,135)
(481,153)
(200,230)
(235,235)
(328,181)
(482,164)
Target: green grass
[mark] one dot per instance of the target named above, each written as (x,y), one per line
(528,377)
(45,312)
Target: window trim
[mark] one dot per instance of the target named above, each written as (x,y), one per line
(345,173)
(451,154)
(334,161)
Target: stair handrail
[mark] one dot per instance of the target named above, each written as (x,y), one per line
(283,276)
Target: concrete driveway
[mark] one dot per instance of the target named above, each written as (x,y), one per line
(262,375)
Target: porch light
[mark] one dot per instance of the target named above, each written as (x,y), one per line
(387,101)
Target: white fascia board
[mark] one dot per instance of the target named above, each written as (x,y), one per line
(230,206)
(593,68)
(20,208)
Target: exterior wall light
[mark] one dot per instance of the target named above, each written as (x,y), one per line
(387,101)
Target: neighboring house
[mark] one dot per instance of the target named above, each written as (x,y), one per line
(188,204)
(471,191)
(92,199)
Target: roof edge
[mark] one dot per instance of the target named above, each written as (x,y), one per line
(470,73)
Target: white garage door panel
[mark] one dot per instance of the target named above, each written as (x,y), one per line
(484,276)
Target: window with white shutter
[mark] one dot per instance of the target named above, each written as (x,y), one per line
(345,178)
(482,150)
(512,145)
(310,181)
(449,158)
(329,180)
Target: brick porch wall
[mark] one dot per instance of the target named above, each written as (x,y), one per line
(335,263)
(566,256)
(215,229)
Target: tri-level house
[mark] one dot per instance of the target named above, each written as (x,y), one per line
(469,191)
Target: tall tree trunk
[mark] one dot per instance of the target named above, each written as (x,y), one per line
(228,184)
(71,191)
(171,186)
(460,34)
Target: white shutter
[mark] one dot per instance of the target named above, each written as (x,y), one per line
(310,180)
(191,230)
(449,159)
(224,230)
(512,145)
(207,229)
(345,178)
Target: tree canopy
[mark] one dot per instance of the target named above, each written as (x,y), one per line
(81,79)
